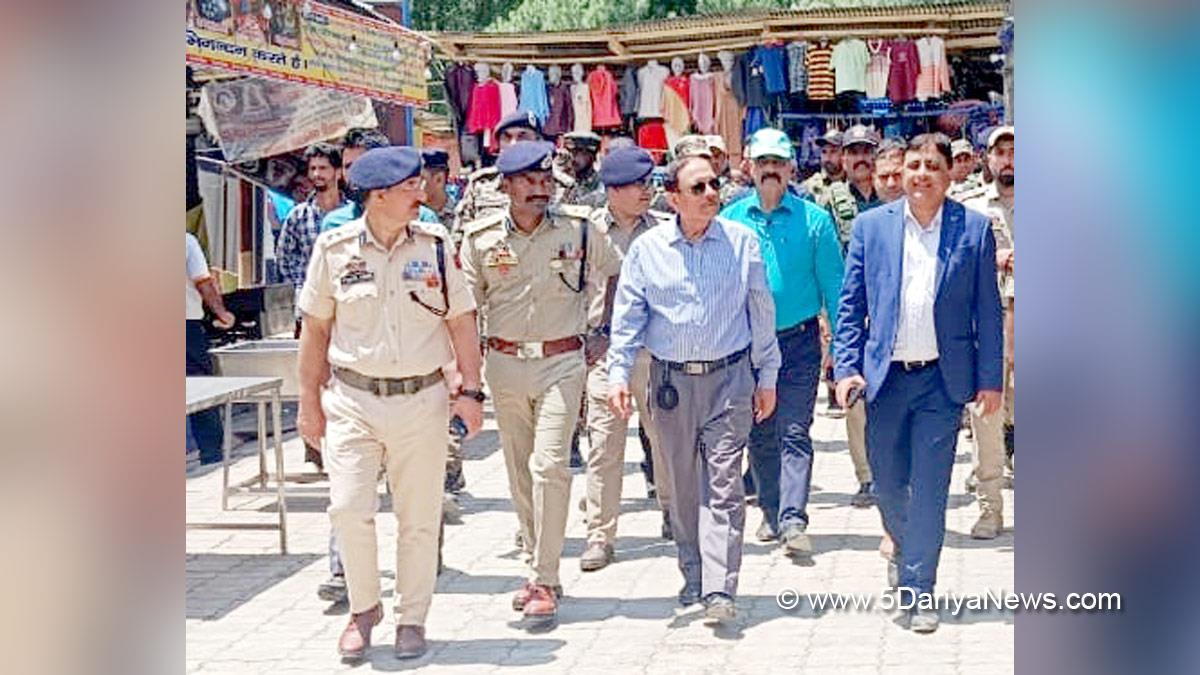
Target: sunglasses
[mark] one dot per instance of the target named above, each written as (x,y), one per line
(698,188)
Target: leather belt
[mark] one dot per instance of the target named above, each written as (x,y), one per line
(705,367)
(536,350)
(915,365)
(801,327)
(387,386)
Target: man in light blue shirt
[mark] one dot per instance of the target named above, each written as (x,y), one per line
(693,292)
(803,261)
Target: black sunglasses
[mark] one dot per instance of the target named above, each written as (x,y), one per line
(698,188)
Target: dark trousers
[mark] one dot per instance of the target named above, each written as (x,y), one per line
(912,426)
(207,429)
(781,452)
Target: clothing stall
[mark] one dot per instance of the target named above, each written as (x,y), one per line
(802,71)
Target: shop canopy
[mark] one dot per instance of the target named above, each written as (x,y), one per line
(969,25)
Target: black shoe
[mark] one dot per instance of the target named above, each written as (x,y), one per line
(766,532)
(667,532)
(689,595)
(865,497)
(576,457)
(333,589)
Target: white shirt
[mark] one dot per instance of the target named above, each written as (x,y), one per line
(916,336)
(197,268)
(651,80)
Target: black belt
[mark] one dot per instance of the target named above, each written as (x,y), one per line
(705,367)
(387,386)
(915,365)
(801,327)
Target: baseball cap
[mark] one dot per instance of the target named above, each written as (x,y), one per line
(769,142)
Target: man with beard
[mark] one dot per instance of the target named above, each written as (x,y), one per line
(582,147)
(994,434)
(380,402)
(293,248)
(482,196)
(803,263)
(356,142)
(529,267)
(831,165)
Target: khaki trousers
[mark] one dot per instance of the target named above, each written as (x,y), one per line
(856,433)
(407,436)
(537,406)
(989,460)
(606,454)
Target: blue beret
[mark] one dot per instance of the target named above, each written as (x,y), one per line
(435,158)
(520,118)
(384,167)
(525,156)
(624,166)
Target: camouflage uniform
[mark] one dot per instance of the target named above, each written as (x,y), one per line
(967,189)
(843,203)
(588,192)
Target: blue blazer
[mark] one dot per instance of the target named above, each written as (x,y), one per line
(966,314)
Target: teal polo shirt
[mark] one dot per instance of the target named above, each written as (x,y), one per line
(801,254)
(349,211)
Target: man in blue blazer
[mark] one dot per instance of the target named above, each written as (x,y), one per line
(919,329)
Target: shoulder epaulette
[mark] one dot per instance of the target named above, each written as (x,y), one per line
(484,223)
(571,211)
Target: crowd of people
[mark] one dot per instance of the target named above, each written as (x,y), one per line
(716,314)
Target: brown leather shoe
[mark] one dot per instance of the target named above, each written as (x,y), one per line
(597,556)
(356,639)
(542,603)
(410,642)
(521,597)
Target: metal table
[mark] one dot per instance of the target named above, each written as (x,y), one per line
(209,392)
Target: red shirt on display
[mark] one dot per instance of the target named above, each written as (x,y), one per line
(605,112)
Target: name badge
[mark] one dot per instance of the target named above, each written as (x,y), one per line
(355,272)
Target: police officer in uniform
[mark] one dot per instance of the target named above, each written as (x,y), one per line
(582,147)
(626,174)
(436,171)
(994,433)
(482,195)
(385,307)
(529,267)
(831,165)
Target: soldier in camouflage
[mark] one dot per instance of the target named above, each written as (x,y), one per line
(482,196)
(964,180)
(831,166)
(581,147)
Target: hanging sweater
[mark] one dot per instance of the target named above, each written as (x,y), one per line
(877,69)
(818,64)
(934,77)
(905,65)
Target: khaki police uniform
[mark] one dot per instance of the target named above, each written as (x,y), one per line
(526,286)
(607,431)
(380,331)
(989,430)
(483,197)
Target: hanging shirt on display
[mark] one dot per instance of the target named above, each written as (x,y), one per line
(650,79)
(703,104)
(460,80)
(849,62)
(508,99)
(773,60)
(628,93)
(729,114)
(581,103)
(934,77)
(485,108)
(749,84)
(675,112)
(562,111)
(905,65)
(603,87)
(820,72)
(653,137)
(877,68)
(797,75)
(533,94)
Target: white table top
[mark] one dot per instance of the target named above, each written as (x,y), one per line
(208,392)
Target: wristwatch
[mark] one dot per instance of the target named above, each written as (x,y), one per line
(473,393)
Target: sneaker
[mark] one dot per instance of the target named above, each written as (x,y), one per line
(719,607)
(865,497)
(923,621)
(597,556)
(333,589)
(766,532)
(796,541)
(988,526)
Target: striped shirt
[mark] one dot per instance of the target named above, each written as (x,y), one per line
(694,300)
(819,64)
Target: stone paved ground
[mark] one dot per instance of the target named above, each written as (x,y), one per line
(251,610)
